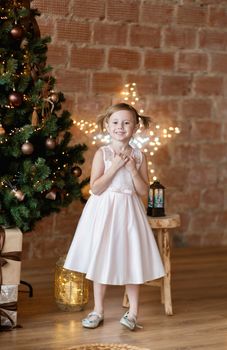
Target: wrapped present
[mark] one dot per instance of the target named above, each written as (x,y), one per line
(10,255)
(8,307)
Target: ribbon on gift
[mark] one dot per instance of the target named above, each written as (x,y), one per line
(6,255)
(11,306)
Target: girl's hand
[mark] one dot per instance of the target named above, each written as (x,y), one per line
(131,164)
(119,161)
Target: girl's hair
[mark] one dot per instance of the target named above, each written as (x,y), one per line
(103,118)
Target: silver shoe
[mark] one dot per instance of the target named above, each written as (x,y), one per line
(129,323)
(92,320)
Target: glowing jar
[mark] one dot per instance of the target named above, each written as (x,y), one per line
(71,288)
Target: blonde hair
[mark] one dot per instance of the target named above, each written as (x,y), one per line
(103,118)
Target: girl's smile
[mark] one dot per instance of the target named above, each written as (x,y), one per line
(121,125)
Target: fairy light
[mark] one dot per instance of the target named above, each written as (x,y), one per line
(5,138)
(149,141)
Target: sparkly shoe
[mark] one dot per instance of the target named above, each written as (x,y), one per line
(129,323)
(92,320)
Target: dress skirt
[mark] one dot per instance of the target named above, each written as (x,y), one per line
(114,243)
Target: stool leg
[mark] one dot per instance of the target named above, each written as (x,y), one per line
(160,247)
(167,277)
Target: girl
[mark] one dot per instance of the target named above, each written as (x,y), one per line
(113,243)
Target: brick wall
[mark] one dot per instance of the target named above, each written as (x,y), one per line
(176,51)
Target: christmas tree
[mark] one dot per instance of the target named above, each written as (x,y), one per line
(38,165)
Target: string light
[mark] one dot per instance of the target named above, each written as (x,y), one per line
(149,141)
(5,139)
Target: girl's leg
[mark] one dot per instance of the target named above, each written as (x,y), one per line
(95,317)
(132,291)
(99,294)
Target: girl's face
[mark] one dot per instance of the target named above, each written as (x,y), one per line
(121,125)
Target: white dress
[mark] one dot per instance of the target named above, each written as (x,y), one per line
(113,242)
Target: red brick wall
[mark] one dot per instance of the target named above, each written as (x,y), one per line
(176,51)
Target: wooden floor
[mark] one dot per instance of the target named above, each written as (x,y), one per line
(199,288)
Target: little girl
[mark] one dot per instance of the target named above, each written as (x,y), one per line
(113,243)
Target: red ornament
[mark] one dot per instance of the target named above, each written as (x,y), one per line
(17,33)
(15,99)
(50,143)
(77,171)
(27,148)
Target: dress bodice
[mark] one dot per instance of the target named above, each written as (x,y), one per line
(122,181)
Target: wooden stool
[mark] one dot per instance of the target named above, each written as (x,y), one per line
(161,225)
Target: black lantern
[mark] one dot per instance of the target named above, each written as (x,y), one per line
(156,200)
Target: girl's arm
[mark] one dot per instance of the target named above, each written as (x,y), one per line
(100,180)
(139,176)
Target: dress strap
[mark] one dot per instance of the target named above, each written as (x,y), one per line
(107,153)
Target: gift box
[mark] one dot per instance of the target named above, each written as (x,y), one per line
(8,307)
(10,255)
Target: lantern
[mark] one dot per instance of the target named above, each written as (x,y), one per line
(71,288)
(156,200)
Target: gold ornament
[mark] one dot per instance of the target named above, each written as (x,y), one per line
(27,148)
(2,130)
(18,194)
(35,117)
(86,191)
(50,143)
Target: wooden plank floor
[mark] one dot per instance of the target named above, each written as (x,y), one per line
(199,288)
